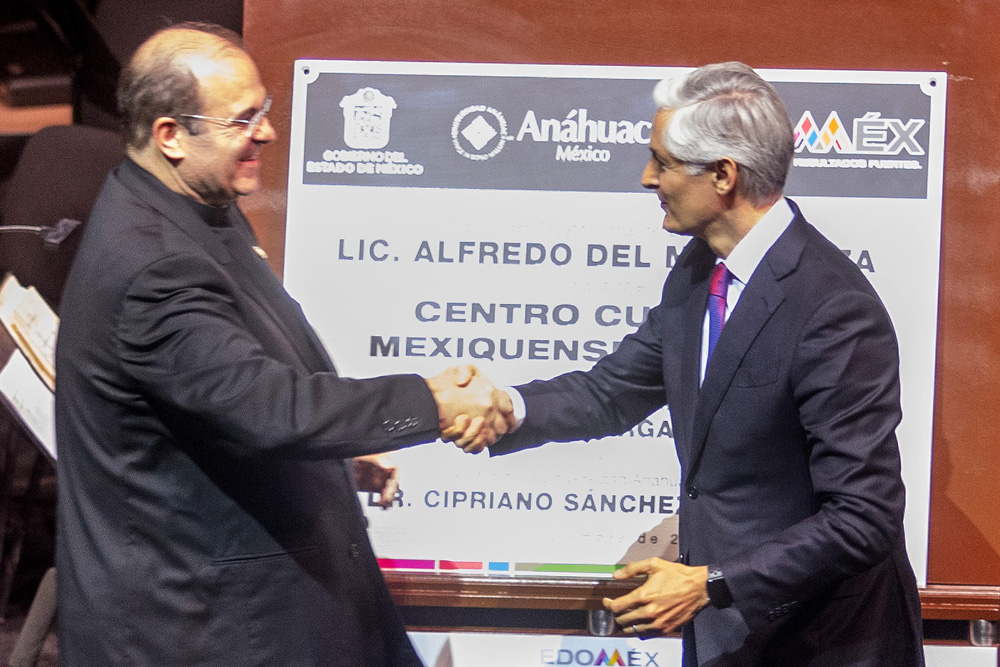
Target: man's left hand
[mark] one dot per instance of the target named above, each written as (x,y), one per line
(373,473)
(670,597)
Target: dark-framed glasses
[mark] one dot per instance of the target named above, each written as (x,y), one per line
(252,123)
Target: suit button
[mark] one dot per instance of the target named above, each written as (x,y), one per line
(354,551)
(692,492)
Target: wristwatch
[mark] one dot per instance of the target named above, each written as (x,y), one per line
(718,592)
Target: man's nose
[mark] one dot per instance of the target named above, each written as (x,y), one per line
(650,176)
(264,133)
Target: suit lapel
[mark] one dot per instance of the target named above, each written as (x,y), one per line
(761,297)
(684,401)
(272,298)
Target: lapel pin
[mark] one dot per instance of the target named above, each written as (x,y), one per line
(260,252)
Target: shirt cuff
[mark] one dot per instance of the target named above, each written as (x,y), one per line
(520,411)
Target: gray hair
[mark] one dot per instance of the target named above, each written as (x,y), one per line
(158,81)
(727,110)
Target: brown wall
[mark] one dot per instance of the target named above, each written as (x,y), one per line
(956,36)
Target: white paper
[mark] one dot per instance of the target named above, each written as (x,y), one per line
(31,398)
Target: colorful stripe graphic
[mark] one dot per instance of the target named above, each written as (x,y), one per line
(459,565)
(576,568)
(405,564)
(444,565)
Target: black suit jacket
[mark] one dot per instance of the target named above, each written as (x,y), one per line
(790,467)
(207,515)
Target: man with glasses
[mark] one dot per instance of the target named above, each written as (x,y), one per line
(208,513)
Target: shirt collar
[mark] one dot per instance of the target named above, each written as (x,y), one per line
(745,257)
(213,216)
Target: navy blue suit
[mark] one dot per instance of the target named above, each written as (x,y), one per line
(789,462)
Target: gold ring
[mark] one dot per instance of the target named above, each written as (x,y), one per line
(635,630)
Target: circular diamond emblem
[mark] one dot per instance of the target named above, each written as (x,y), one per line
(479,132)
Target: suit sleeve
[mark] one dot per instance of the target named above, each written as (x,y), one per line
(845,383)
(622,389)
(189,351)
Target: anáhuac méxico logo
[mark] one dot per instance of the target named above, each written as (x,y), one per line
(479,132)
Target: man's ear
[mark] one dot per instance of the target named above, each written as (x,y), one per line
(166,136)
(725,172)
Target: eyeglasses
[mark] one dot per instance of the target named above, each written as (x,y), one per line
(252,123)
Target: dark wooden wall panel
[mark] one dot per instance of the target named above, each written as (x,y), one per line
(956,36)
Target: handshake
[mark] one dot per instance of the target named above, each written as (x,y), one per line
(472,412)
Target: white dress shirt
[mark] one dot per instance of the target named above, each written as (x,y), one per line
(743,261)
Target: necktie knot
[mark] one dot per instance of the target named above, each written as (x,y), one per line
(718,283)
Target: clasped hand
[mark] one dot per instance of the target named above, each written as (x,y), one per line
(472,412)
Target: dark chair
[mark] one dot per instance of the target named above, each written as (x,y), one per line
(59,174)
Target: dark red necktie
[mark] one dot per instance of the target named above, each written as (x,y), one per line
(718,285)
